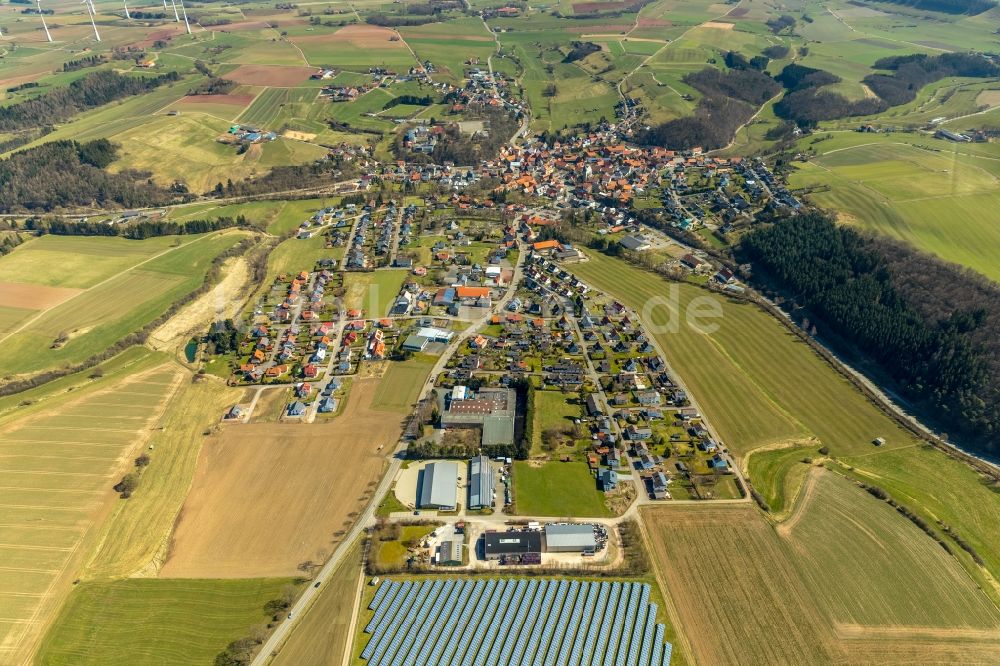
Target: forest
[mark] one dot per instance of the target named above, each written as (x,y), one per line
(968,7)
(93,90)
(730,99)
(913,72)
(135,230)
(806,103)
(931,327)
(66,173)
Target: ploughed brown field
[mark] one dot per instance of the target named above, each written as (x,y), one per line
(33,296)
(269,496)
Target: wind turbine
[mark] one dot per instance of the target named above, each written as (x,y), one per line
(177,16)
(126,10)
(48,35)
(186,24)
(90,10)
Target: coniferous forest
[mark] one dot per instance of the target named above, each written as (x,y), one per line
(930,326)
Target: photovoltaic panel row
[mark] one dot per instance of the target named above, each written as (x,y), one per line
(512,621)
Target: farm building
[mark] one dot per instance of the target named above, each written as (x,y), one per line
(438,483)
(570,538)
(519,545)
(491,409)
(450,553)
(481,483)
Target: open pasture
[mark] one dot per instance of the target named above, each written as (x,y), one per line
(100,315)
(158,621)
(372,292)
(58,466)
(224,107)
(940,202)
(268,496)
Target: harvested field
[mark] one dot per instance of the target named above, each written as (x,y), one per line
(33,296)
(988,98)
(846,580)
(363,36)
(299,136)
(275,76)
(718,25)
(654,23)
(159,35)
(738,12)
(267,497)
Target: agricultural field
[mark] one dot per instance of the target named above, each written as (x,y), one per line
(324,634)
(911,598)
(372,292)
(767,365)
(268,496)
(136,535)
(105,310)
(356,48)
(158,621)
(940,202)
(401,384)
(89,442)
(558,489)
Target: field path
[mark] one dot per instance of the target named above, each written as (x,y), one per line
(40,313)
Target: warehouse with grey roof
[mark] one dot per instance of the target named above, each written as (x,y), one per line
(438,486)
(570,538)
(481,483)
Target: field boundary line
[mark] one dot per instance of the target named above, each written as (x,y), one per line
(41,313)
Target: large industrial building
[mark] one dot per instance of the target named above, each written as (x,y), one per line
(524,546)
(439,486)
(491,409)
(570,538)
(481,483)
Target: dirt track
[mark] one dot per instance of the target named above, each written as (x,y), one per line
(269,496)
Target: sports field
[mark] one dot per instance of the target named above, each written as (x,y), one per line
(58,463)
(138,284)
(908,599)
(557,489)
(941,202)
(268,496)
(156,621)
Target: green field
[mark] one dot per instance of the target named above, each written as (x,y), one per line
(400,386)
(941,202)
(157,621)
(58,460)
(748,378)
(557,489)
(778,475)
(372,292)
(96,318)
(553,409)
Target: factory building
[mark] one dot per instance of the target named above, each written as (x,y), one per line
(481,483)
(515,546)
(438,486)
(570,538)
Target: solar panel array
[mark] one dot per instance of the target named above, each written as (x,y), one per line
(507,621)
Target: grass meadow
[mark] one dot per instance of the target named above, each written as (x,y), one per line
(941,202)
(553,409)
(400,386)
(157,621)
(557,489)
